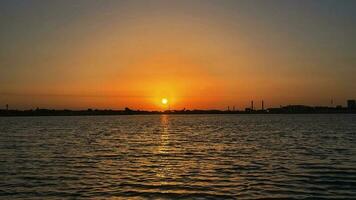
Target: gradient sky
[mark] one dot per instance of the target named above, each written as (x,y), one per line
(198,54)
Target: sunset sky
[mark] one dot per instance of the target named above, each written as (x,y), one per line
(197,54)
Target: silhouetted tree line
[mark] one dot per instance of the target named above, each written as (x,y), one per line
(290,109)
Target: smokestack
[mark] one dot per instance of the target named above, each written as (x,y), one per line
(7,106)
(251,105)
(263,106)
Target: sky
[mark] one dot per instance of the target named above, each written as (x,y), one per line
(199,54)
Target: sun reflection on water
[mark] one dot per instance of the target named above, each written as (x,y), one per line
(164,135)
(164,150)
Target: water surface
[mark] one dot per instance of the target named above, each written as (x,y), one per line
(178,157)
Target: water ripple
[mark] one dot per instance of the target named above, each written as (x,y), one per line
(178,157)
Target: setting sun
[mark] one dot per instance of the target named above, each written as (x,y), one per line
(164,101)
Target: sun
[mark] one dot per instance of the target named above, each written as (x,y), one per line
(164,101)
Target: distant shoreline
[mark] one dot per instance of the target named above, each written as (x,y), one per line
(291,109)
(10,116)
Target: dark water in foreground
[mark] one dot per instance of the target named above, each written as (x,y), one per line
(173,157)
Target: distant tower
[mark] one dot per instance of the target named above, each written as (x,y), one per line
(263,106)
(251,105)
(233,108)
(7,106)
(332,102)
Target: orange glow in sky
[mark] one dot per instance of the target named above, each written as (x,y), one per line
(198,55)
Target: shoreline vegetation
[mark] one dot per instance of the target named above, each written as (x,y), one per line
(290,109)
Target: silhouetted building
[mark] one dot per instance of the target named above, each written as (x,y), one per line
(248,110)
(293,109)
(263,105)
(351,104)
(128,110)
(251,105)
